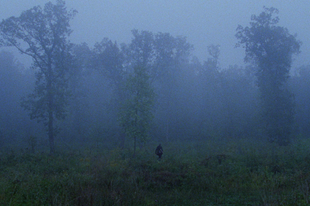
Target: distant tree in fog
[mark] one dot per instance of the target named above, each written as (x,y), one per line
(171,59)
(300,84)
(141,50)
(79,73)
(42,34)
(109,59)
(13,85)
(161,55)
(270,47)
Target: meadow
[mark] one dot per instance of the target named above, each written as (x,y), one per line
(209,172)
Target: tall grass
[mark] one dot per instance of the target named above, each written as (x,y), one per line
(212,172)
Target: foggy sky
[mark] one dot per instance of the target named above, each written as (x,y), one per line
(203,22)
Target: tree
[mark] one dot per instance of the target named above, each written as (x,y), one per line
(14,83)
(300,85)
(109,59)
(170,62)
(42,33)
(136,111)
(77,123)
(142,48)
(270,48)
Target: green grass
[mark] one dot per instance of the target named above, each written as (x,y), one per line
(250,173)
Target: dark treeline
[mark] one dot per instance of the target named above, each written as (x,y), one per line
(103,105)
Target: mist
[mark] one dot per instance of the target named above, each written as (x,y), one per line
(90,89)
(203,23)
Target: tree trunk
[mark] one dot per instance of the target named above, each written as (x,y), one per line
(167,129)
(121,97)
(134,148)
(51,132)
(135,137)
(50,109)
(122,139)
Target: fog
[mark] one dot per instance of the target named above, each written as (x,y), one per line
(91,92)
(202,22)
(198,85)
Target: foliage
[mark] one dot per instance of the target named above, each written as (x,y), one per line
(270,48)
(42,34)
(136,111)
(188,174)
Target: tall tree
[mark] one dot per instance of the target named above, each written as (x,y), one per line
(42,33)
(171,57)
(141,49)
(79,72)
(136,112)
(109,59)
(270,48)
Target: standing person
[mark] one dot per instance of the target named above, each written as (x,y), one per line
(159,151)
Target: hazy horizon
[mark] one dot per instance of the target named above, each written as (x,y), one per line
(202,22)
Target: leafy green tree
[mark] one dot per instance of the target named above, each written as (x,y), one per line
(270,48)
(42,33)
(136,112)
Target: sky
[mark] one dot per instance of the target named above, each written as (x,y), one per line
(203,22)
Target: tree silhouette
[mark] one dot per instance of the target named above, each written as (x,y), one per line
(42,34)
(270,48)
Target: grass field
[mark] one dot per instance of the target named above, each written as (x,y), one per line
(198,173)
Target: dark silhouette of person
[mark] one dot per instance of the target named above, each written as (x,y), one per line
(159,151)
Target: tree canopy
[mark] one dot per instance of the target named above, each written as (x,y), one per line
(42,33)
(269,48)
